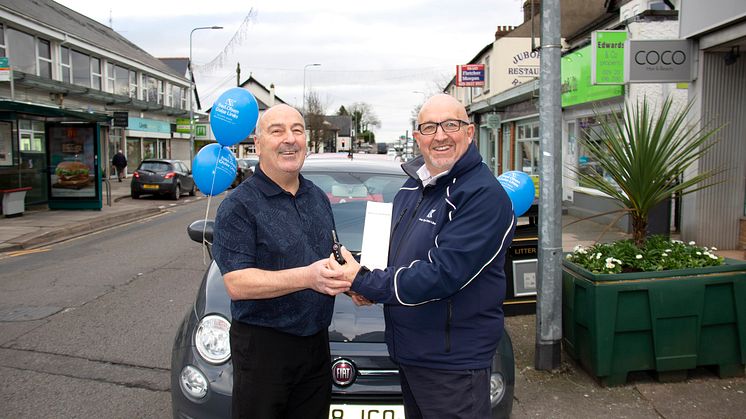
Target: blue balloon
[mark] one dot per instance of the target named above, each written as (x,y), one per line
(233,116)
(520,189)
(214,169)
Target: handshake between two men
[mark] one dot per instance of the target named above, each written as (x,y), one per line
(334,278)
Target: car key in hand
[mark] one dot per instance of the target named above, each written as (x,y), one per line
(335,249)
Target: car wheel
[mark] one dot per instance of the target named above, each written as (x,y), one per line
(135,195)
(193,191)
(502,380)
(177,192)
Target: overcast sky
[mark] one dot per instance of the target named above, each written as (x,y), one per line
(379,52)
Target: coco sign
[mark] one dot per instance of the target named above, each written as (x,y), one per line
(648,61)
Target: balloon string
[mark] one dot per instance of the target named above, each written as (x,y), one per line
(204,232)
(207,210)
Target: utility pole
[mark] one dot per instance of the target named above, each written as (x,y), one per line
(549,292)
(238,74)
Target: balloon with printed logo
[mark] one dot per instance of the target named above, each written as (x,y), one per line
(233,116)
(520,189)
(214,169)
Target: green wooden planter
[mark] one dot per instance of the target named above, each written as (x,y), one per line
(667,322)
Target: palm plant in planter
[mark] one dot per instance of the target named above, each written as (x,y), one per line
(651,304)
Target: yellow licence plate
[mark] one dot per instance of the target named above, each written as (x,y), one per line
(150,186)
(365,411)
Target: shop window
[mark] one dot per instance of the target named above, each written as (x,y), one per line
(31,136)
(22,48)
(133,84)
(81,68)
(160,92)
(109,87)
(148,148)
(2,41)
(96,73)
(527,148)
(44,52)
(590,128)
(65,64)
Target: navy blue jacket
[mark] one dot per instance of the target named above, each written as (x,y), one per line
(444,288)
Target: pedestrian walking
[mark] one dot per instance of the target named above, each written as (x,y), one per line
(119,161)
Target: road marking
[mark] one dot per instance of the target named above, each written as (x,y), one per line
(26,252)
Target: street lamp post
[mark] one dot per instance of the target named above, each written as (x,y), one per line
(191,92)
(304,82)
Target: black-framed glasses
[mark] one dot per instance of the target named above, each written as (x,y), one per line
(449,125)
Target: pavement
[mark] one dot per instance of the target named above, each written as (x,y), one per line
(39,226)
(567,392)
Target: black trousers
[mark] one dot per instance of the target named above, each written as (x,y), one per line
(278,375)
(440,394)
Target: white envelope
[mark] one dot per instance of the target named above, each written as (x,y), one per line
(375,251)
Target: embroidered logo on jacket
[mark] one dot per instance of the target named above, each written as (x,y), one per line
(429,217)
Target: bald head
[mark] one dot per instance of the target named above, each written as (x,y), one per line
(281,112)
(443,103)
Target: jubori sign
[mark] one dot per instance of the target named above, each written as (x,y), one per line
(658,61)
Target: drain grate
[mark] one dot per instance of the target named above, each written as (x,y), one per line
(21,314)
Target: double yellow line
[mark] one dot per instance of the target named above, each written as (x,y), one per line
(24,252)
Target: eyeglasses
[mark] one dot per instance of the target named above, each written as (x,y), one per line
(449,125)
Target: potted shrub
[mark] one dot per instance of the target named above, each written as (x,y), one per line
(650,303)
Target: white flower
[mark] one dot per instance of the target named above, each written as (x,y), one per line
(638,256)
(609,265)
(699,253)
(707,253)
(577,248)
(569,256)
(713,256)
(664,254)
(598,256)
(668,250)
(692,243)
(713,248)
(609,260)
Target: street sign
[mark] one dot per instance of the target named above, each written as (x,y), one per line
(493,120)
(607,57)
(665,61)
(121,119)
(4,69)
(470,75)
(183,126)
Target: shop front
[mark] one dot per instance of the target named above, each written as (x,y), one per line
(583,106)
(146,139)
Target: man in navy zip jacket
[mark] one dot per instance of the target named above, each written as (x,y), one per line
(444,287)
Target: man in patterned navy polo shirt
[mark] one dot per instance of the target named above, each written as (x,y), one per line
(272,239)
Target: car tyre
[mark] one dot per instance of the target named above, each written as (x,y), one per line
(504,363)
(193,191)
(135,195)
(177,192)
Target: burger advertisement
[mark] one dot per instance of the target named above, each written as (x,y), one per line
(72,174)
(72,162)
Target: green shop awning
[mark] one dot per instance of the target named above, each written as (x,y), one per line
(7,106)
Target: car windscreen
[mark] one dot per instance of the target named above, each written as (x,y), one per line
(349,193)
(157,167)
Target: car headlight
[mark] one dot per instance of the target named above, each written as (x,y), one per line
(193,382)
(497,388)
(212,339)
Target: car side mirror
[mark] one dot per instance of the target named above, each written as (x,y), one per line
(201,228)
